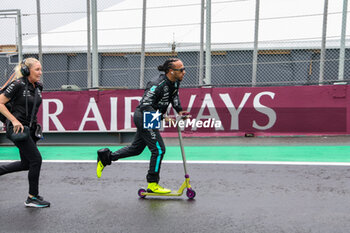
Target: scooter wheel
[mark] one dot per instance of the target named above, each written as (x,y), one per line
(140,193)
(190,193)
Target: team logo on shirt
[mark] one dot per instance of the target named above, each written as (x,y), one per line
(153,88)
(151,120)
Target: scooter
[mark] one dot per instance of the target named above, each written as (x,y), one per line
(190,193)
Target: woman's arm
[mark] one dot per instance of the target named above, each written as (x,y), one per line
(3,110)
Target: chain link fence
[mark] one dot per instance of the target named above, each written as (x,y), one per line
(289,42)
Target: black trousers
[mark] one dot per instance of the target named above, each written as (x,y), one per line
(144,137)
(30,160)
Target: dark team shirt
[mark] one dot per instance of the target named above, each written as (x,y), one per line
(16,92)
(159,93)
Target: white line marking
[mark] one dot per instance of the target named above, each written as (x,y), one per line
(206,162)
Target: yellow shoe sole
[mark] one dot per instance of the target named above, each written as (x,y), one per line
(99,169)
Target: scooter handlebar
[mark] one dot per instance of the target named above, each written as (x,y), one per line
(183,117)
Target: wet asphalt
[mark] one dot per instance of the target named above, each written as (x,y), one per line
(230,198)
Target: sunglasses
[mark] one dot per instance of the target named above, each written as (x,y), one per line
(182,69)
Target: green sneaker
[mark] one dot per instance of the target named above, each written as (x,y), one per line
(99,169)
(156,188)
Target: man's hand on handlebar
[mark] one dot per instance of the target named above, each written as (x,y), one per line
(184,115)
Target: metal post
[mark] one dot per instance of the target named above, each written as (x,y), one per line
(88,53)
(323,43)
(40,48)
(256,37)
(95,70)
(182,147)
(19,31)
(208,44)
(201,52)
(143,41)
(342,42)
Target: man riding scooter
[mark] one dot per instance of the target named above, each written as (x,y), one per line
(158,94)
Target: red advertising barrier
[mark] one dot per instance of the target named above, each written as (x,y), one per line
(292,110)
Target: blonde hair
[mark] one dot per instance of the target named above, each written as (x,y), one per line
(29,62)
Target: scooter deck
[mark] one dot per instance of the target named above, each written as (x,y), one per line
(173,193)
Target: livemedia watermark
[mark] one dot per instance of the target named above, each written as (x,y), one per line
(152,120)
